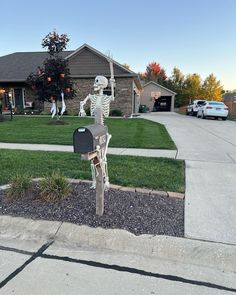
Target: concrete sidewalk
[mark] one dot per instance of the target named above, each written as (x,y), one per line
(62,258)
(112,151)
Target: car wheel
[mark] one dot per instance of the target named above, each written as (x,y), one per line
(187,113)
(191,112)
(224,118)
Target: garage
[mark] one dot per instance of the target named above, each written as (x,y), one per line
(157,98)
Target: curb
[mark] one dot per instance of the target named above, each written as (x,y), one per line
(182,250)
(121,188)
(135,189)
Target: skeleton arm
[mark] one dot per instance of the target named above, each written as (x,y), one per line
(112,83)
(82,103)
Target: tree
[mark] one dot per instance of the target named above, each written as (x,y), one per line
(211,88)
(55,43)
(155,73)
(126,66)
(53,78)
(176,84)
(192,88)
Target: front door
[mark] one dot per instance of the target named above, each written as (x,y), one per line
(18,98)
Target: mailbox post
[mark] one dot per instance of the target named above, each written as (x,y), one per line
(90,141)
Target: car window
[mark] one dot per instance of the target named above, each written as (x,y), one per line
(216,103)
(200,102)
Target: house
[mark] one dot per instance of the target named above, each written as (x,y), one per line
(85,64)
(230,101)
(157,98)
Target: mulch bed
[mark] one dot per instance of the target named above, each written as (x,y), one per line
(137,213)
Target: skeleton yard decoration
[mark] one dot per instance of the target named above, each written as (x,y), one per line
(99,108)
(55,110)
(100,103)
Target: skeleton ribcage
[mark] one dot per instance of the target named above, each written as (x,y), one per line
(100,101)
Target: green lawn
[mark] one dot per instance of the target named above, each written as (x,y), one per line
(130,133)
(156,173)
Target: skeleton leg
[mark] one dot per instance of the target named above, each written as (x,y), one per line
(93,170)
(104,162)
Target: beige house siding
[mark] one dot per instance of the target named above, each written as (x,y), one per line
(146,99)
(87,63)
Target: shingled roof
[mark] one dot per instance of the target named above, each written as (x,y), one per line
(83,62)
(17,66)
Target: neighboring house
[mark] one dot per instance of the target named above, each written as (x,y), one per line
(157,98)
(230,101)
(85,64)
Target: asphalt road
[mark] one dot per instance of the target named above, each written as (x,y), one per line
(209,150)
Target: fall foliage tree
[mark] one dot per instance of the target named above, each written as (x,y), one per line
(155,73)
(126,66)
(212,89)
(192,88)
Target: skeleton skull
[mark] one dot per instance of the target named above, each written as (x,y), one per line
(100,82)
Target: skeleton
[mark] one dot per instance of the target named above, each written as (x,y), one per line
(100,108)
(55,109)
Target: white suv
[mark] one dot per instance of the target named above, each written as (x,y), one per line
(192,108)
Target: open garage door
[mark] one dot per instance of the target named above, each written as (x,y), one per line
(162,104)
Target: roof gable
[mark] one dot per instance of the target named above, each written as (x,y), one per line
(158,85)
(87,61)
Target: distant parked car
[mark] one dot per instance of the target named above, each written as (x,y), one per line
(216,109)
(192,108)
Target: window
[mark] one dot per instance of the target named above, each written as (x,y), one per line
(107,91)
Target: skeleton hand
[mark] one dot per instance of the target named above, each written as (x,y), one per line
(81,111)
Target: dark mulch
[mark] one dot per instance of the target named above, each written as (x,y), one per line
(135,212)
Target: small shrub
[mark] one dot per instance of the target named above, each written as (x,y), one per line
(116,113)
(54,187)
(20,186)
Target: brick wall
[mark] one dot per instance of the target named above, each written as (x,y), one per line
(123,96)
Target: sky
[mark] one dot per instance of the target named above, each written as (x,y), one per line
(194,36)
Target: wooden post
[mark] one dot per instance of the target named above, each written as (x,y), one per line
(99,191)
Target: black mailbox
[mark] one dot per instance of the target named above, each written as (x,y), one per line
(87,138)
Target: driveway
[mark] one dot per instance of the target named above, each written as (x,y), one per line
(209,150)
